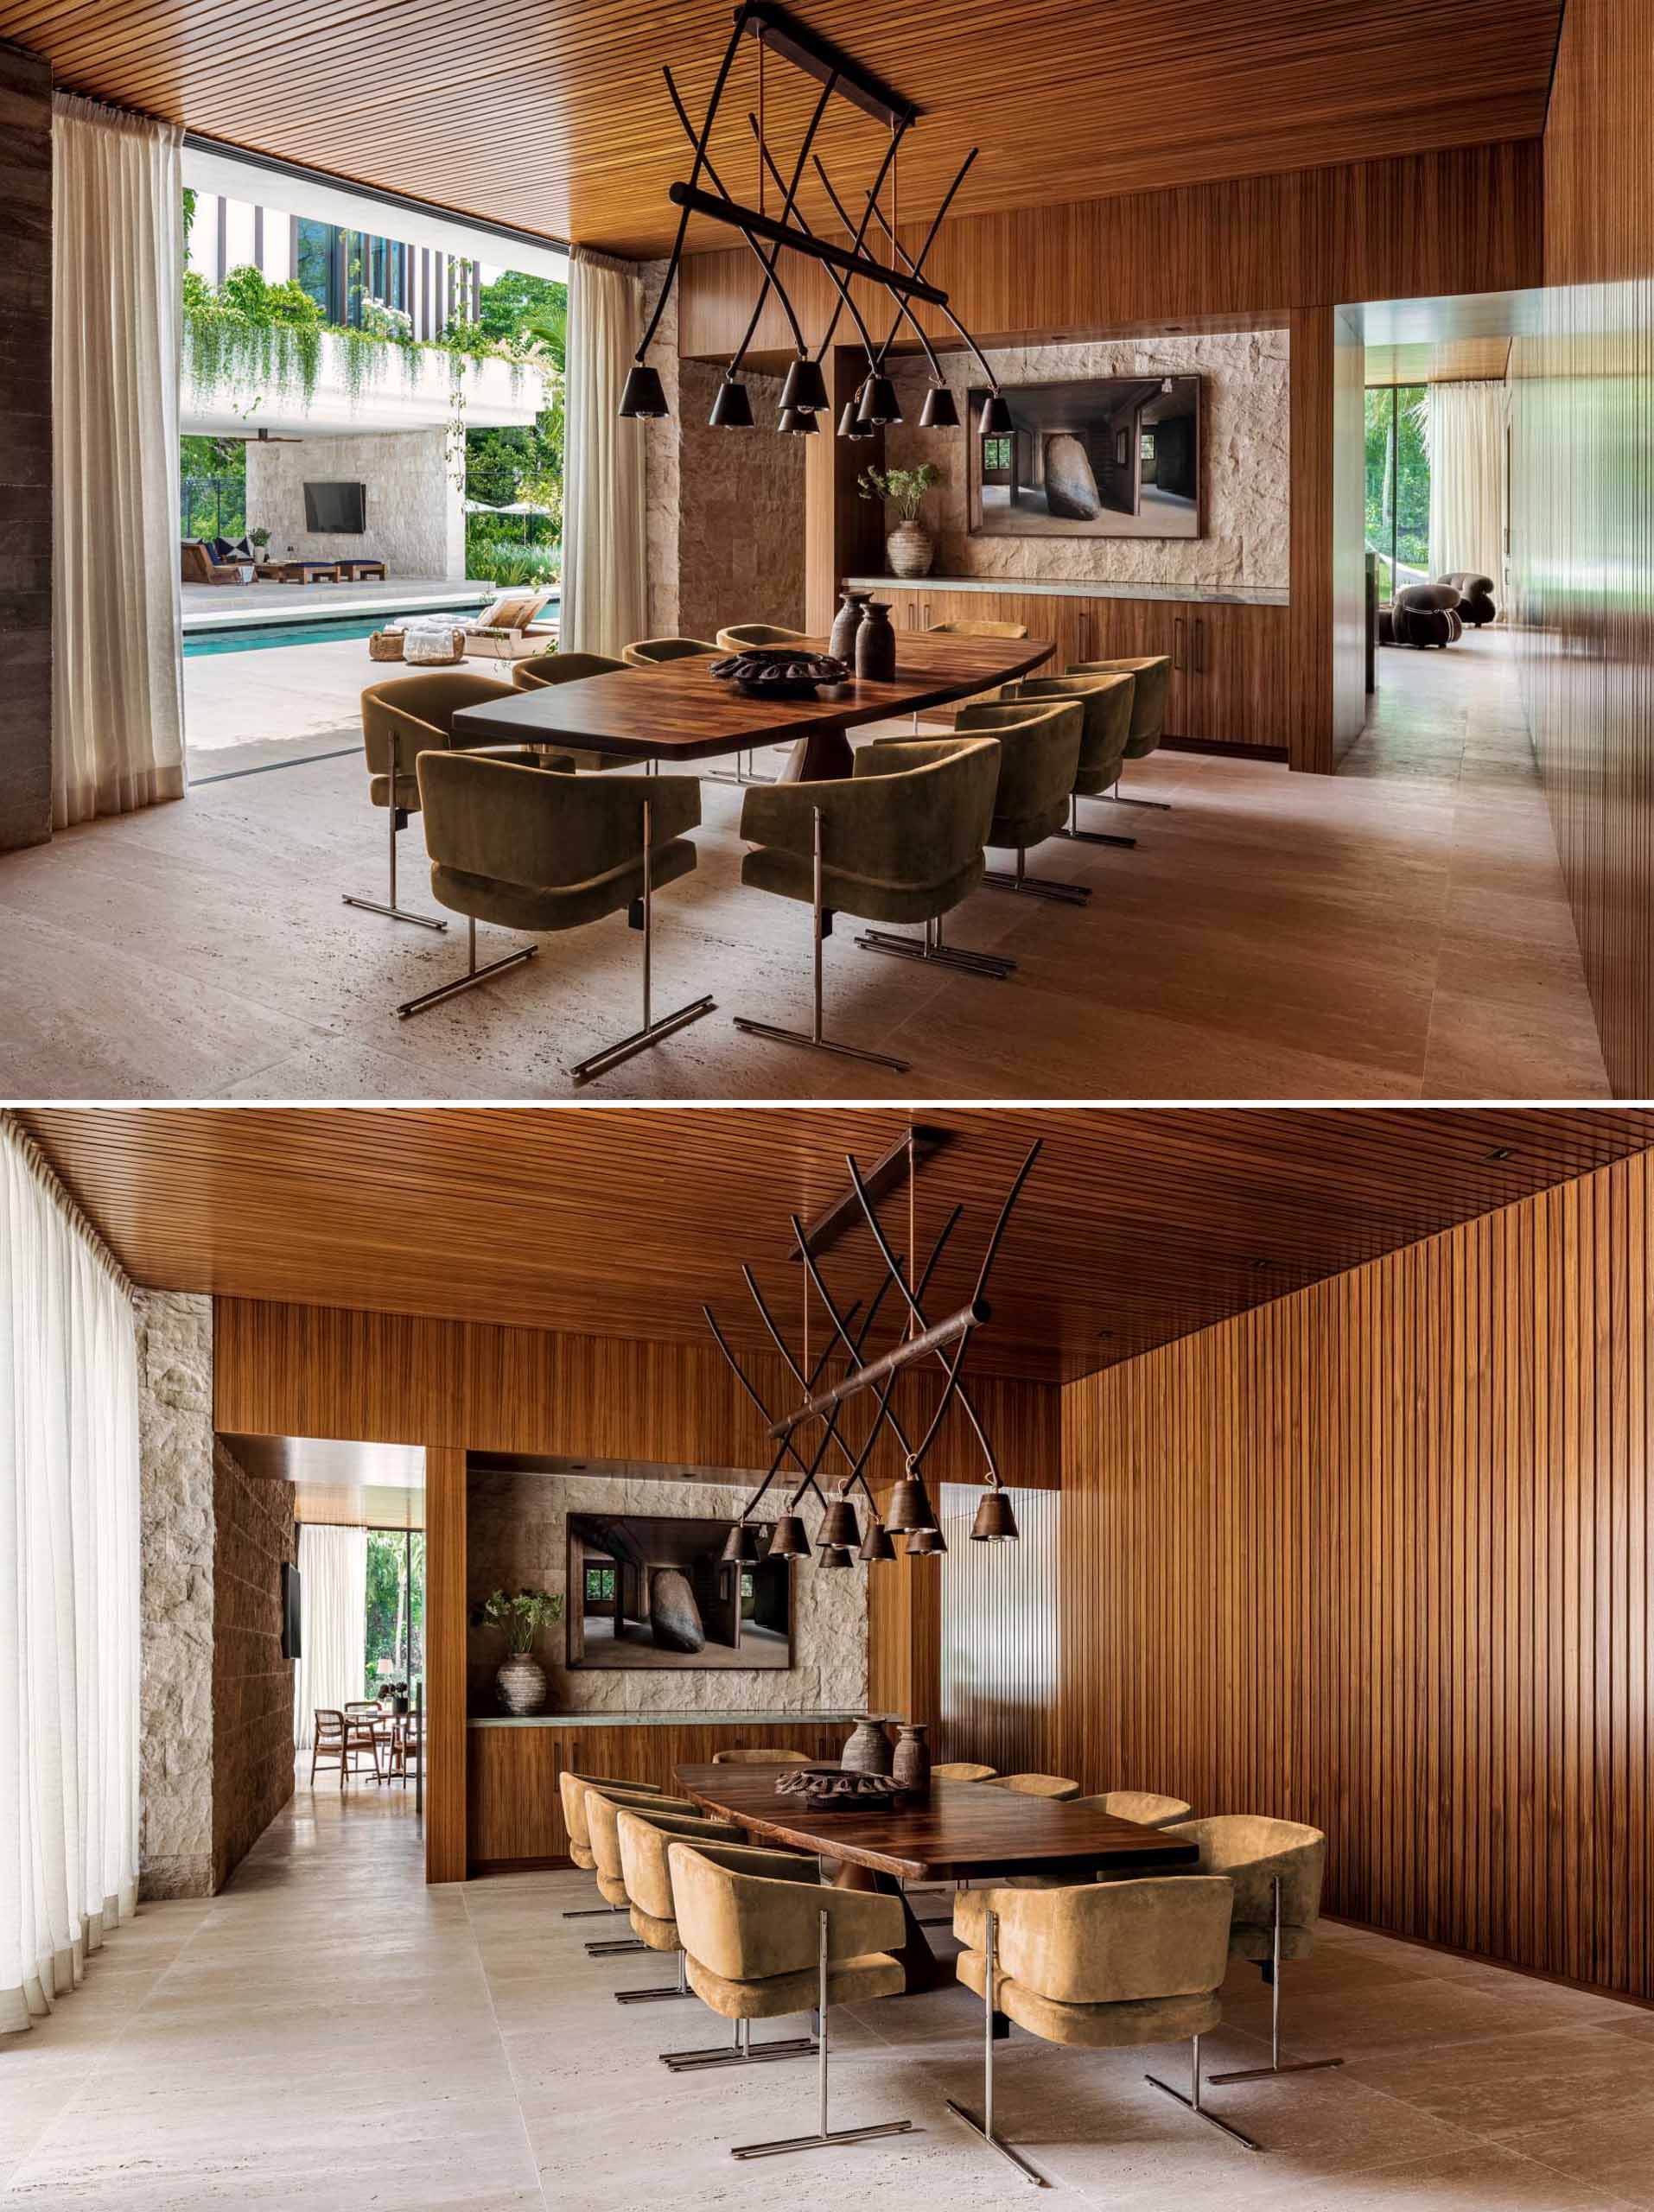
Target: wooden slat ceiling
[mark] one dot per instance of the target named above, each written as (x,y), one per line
(552,117)
(1453,360)
(1138,1226)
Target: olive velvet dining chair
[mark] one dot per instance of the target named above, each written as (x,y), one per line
(738,636)
(1039,744)
(542,670)
(1151,675)
(649,653)
(1107,702)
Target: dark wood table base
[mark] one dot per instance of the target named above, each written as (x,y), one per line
(919,1963)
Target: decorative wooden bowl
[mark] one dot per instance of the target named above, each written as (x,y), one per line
(780,672)
(830,1789)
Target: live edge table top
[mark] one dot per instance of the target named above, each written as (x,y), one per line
(676,710)
(963,1830)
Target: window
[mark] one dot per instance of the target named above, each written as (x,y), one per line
(1398,486)
(395,1648)
(387,278)
(1146,449)
(599,1586)
(314,264)
(995,455)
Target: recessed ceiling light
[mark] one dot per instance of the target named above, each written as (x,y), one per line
(1503,1152)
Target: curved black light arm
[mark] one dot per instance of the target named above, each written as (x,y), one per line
(798,1373)
(914,267)
(843,289)
(735,1364)
(902,305)
(827,91)
(701,144)
(768,267)
(819,1369)
(859,233)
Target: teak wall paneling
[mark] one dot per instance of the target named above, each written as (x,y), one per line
(1377,1557)
(26,446)
(1582,515)
(1001,1632)
(445,1619)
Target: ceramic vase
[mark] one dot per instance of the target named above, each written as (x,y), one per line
(521,1684)
(846,623)
(876,645)
(913,1761)
(869,1750)
(909,551)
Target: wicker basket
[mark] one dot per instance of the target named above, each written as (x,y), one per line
(385,645)
(433,648)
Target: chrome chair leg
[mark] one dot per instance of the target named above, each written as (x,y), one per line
(1191,2101)
(652,1030)
(397,816)
(618,1950)
(741,2052)
(1076,835)
(931,948)
(814,1039)
(680,1988)
(592,1911)
(738,774)
(1159,806)
(1276,2064)
(984,2127)
(1037,886)
(823,2135)
(472,977)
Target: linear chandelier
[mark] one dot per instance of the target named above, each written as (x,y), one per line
(911,1513)
(805,395)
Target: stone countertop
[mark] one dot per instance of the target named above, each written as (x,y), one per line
(749,1721)
(1080,588)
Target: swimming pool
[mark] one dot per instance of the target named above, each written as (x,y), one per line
(256,637)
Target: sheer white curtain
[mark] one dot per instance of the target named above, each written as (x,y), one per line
(333,1623)
(69,1588)
(116,642)
(605,585)
(1464,433)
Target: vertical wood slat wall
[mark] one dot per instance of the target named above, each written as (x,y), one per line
(1001,1636)
(1376,1557)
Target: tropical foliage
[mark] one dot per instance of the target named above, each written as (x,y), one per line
(528,316)
(1398,484)
(396,1604)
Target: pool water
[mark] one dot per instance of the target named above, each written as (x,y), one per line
(255,637)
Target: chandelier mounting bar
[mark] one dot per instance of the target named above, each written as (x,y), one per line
(783,33)
(730,212)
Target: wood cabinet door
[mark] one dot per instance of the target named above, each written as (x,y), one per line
(1234,686)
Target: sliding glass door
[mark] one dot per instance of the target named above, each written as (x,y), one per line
(395,1648)
(1398,486)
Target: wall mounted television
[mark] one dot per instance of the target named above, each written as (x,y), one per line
(1096,457)
(646,1592)
(336,510)
(292,1641)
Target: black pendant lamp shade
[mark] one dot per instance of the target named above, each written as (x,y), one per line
(878,401)
(850,424)
(995,1524)
(995,417)
(787,1539)
(924,1541)
(877,1544)
(740,1546)
(732,409)
(910,1509)
(833,1556)
(805,386)
(795,422)
(839,1527)
(641,394)
(938,412)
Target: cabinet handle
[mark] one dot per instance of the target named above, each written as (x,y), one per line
(1200,645)
(1178,628)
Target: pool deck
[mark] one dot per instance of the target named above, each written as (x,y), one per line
(209,607)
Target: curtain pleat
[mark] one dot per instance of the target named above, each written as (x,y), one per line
(333,1624)
(69,1575)
(605,584)
(1465,434)
(117,325)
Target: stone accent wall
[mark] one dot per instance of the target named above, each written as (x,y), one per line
(516,1535)
(1244,460)
(252,1684)
(176,1539)
(26,447)
(660,461)
(416,513)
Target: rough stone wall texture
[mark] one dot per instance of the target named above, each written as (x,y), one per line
(725,508)
(517,1534)
(252,1684)
(1244,458)
(175,1697)
(26,449)
(416,514)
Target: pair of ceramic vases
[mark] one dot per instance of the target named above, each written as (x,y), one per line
(863,638)
(907,1761)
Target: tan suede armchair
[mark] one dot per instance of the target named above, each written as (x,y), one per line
(899,841)
(402,717)
(542,670)
(1145,1806)
(1099,1967)
(530,850)
(603,1810)
(572,1789)
(1274,1869)
(1107,702)
(961,1770)
(760,1948)
(1057,1786)
(762,1755)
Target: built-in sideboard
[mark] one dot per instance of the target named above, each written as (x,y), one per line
(1228,646)
(514,1805)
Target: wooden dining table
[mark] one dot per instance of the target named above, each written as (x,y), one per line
(962,1831)
(678,712)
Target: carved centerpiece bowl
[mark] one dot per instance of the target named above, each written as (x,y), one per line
(830,1789)
(780,672)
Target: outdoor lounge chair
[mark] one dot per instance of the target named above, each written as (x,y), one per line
(198,566)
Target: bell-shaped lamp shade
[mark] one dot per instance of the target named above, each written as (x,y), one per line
(938,412)
(806,385)
(833,1556)
(796,423)
(850,424)
(641,393)
(925,1541)
(995,417)
(877,1544)
(839,1527)
(740,1546)
(995,1524)
(732,409)
(787,1539)
(910,1509)
(878,402)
